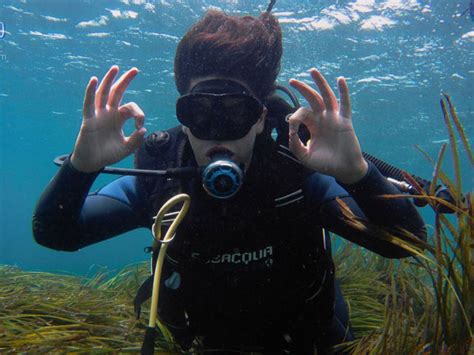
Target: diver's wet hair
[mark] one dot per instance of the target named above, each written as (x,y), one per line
(245,48)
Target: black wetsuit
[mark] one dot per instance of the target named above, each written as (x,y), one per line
(248,273)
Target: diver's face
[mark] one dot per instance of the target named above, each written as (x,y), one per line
(239,150)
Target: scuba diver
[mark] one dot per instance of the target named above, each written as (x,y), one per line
(250,266)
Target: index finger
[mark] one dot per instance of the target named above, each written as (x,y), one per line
(312,96)
(118,89)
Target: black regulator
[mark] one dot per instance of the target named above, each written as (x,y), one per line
(222,177)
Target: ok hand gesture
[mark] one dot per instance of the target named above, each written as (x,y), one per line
(333,148)
(101,140)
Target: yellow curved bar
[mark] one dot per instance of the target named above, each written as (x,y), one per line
(156,231)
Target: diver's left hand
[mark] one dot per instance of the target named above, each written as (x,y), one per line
(333,148)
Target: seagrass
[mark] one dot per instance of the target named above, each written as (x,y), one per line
(44,312)
(428,305)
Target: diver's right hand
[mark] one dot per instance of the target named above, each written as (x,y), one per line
(101,140)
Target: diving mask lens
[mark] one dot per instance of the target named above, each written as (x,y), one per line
(218,116)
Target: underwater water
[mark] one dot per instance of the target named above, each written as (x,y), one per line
(398,56)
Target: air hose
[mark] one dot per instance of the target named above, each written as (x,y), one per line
(185,172)
(149,341)
(391,171)
(397,177)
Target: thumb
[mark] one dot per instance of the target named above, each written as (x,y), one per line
(294,142)
(136,139)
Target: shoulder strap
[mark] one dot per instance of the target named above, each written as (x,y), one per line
(162,150)
(292,175)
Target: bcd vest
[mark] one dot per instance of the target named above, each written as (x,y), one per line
(256,258)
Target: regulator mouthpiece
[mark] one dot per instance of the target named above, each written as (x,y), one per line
(222,178)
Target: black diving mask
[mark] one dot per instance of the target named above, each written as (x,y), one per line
(220,110)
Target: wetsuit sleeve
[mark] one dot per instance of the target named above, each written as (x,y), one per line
(67,218)
(363,198)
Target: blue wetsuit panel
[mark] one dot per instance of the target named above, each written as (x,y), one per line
(122,189)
